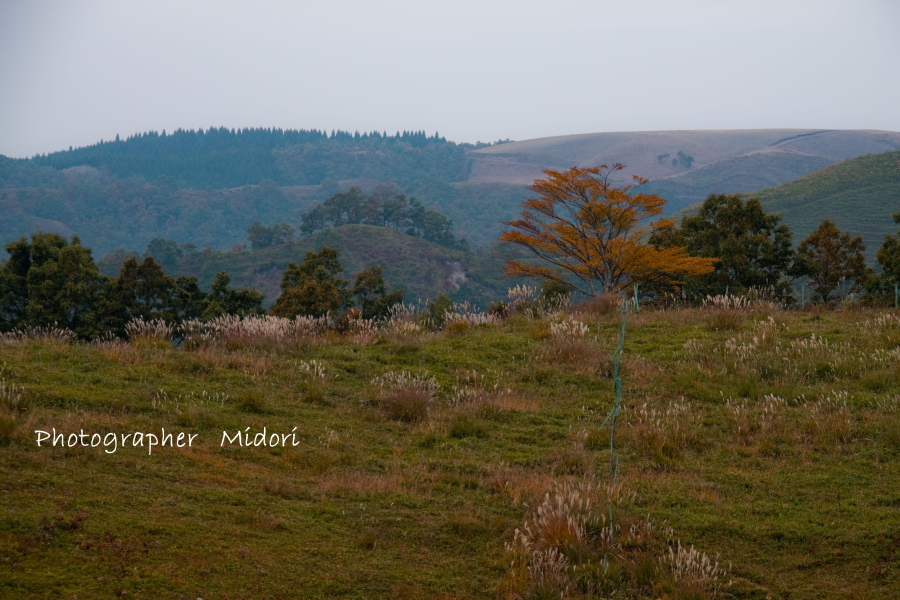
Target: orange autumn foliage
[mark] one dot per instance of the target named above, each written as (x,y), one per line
(584,226)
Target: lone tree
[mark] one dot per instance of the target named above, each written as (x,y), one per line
(592,235)
(312,287)
(829,258)
(753,247)
(889,255)
(371,294)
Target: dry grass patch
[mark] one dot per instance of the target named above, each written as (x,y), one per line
(568,344)
(405,397)
(604,304)
(764,423)
(583,541)
(725,319)
(661,435)
(828,422)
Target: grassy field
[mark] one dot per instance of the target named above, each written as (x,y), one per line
(468,463)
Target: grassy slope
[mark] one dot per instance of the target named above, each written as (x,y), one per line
(367,507)
(733,175)
(859,195)
(725,161)
(637,150)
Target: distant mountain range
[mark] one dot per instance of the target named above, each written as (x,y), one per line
(684,166)
(206,188)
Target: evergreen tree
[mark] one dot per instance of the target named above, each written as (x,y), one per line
(889,255)
(224,301)
(312,287)
(166,252)
(260,236)
(49,281)
(371,294)
(142,291)
(753,247)
(830,259)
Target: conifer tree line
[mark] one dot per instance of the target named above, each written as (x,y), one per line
(227,158)
(49,281)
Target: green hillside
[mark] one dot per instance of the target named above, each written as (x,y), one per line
(733,175)
(859,195)
(109,212)
(684,166)
(421,268)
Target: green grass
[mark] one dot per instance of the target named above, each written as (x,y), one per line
(774,450)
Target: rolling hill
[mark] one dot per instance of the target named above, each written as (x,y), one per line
(683,166)
(859,195)
(421,268)
(113,196)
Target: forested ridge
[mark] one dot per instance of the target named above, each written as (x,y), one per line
(206,187)
(227,158)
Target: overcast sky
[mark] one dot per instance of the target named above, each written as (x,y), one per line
(75,72)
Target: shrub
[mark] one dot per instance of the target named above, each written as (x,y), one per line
(252,401)
(405,397)
(725,319)
(580,541)
(465,425)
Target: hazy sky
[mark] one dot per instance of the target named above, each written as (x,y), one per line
(75,72)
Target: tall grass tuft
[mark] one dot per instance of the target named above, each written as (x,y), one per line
(51,333)
(405,397)
(662,435)
(829,422)
(580,541)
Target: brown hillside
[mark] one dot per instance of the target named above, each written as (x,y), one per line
(522,162)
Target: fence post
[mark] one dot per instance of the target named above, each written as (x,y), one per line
(637,305)
(617,407)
